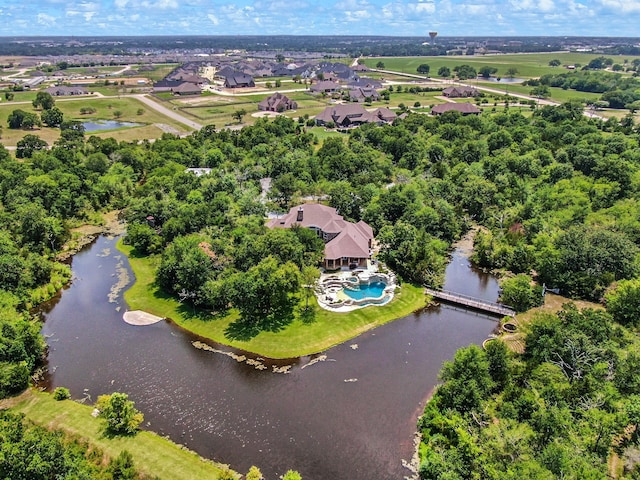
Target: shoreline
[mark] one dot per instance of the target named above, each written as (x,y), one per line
(297,339)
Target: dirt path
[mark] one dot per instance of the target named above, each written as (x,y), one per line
(168,112)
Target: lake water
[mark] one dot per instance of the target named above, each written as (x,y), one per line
(95,125)
(352,416)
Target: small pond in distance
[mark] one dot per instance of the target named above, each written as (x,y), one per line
(502,80)
(94,125)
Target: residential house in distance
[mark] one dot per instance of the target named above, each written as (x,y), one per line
(325,86)
(187,88)
(277,103)
(63,91)
(362,94)
(464,108)
(239,80)
(347,244)
(352,115)
(460,92)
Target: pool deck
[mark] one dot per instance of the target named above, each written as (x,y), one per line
(340,295)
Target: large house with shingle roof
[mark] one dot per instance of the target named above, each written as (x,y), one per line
(352,115)
(463,108)
(347,244)
(460,92)
(277,103)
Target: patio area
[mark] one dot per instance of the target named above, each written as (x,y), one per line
(347,290)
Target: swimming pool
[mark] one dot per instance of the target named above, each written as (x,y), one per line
(372,290)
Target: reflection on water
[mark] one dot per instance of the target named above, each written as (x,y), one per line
(347,414)
(95,125)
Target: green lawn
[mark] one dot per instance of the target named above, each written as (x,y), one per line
(528,65)
(295,340)
(153,455)
(105,108)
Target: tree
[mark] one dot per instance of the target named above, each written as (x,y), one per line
(264,294)
(43,100)
(30,121)
(423,68)
(541,91)
(380,65)
(122,468)
(238,114)
(467,380)
(555,63)
(28,145)
(52,117)
(119,412)
(519,292)
(465,72)
(117,114)
(623,302)
(15,118)
(9,96)
(512,72)
(487,71)
(444,72)
(633,107)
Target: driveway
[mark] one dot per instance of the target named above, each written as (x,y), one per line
(168,112)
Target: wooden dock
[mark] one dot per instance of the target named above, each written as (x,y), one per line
(471,302)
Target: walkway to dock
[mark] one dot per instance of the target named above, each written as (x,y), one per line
(471,302)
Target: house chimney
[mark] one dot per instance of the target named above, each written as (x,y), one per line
(300,214)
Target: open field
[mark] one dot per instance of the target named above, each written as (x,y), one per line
(528,65)
(295,340)
(152,454)
(105,108)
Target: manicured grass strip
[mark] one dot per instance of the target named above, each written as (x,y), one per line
(152,454)
(295,340)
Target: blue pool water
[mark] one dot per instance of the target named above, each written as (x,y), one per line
(373,290)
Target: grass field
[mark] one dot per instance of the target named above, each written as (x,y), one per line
(295,340)
(105,108)
(152,454)
(528,65)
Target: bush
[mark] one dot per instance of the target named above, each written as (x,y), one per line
(61,393)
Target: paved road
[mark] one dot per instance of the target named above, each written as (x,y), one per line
(168,112)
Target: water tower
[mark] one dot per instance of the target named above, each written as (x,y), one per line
(433,36)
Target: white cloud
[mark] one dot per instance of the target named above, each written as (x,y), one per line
(547,5)
(215,20)
(422,7)
(622,6)
(356,15)
(44,19)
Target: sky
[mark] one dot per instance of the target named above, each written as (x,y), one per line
(615,18)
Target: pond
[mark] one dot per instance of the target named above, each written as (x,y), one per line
(347,414)
(502,79)
(95,125)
